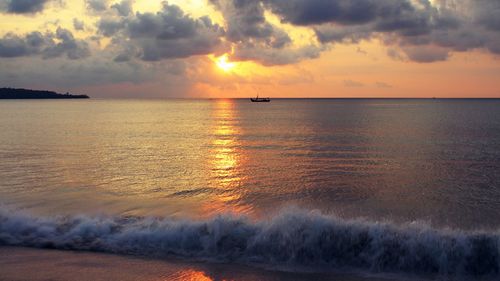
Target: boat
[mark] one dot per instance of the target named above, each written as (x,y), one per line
(257,99)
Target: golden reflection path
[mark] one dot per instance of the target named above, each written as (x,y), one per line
(227,159)
(190,275)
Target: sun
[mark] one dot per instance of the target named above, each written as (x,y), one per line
(224,63)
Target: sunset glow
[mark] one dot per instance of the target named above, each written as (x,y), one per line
(127,48)
(224,63)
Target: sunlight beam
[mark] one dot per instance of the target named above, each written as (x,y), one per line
(224,63)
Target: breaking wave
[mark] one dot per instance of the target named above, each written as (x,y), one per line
(293,239)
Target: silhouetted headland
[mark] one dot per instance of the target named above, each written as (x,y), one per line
(10,93)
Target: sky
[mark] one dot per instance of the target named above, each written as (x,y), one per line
(241,48)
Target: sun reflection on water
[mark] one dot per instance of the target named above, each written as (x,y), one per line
(227,158)
(191,275)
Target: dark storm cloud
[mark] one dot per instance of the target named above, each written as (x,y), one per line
(23,6)
(46,45)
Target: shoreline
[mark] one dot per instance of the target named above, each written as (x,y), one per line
(19,264)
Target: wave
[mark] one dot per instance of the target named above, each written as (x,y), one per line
(293,239)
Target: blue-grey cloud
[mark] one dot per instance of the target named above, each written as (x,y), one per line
(23,6)
(313,12)
(67,45)
(124,8)
(97,5)
(400,16)
(245,21)
(487,14)
(48,45)
(14,46)
(457,25)
(425,54)
(166,34)
(110,26)
(78,24)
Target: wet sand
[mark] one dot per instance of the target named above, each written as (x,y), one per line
(22,264)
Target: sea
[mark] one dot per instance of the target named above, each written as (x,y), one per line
(227,189)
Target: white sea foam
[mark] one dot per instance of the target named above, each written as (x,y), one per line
(294,238)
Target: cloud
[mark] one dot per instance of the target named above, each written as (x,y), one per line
(396,54)
(271,57)
(254,38)
(246,22)
(351,35)
(47,45)
(97,5)
(353,84)
(13,46)
(360,18)
(23,6)
(123,57)
(124,8)
(425,54)
(383,85)
(67,45)
(313,12)
(166,34)
(99,75)
(78,24)
(456,25)
(93,71)
(486,13)
(110,26)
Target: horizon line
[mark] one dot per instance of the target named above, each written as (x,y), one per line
(282,98)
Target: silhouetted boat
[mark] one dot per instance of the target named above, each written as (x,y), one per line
(257,99)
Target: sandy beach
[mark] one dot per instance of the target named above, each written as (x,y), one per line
(20,264)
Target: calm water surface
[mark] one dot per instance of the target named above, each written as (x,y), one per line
(397,186)
(403,160)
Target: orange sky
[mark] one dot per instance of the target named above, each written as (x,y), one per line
(360,69)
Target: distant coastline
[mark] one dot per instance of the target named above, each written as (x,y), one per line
(12,93)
